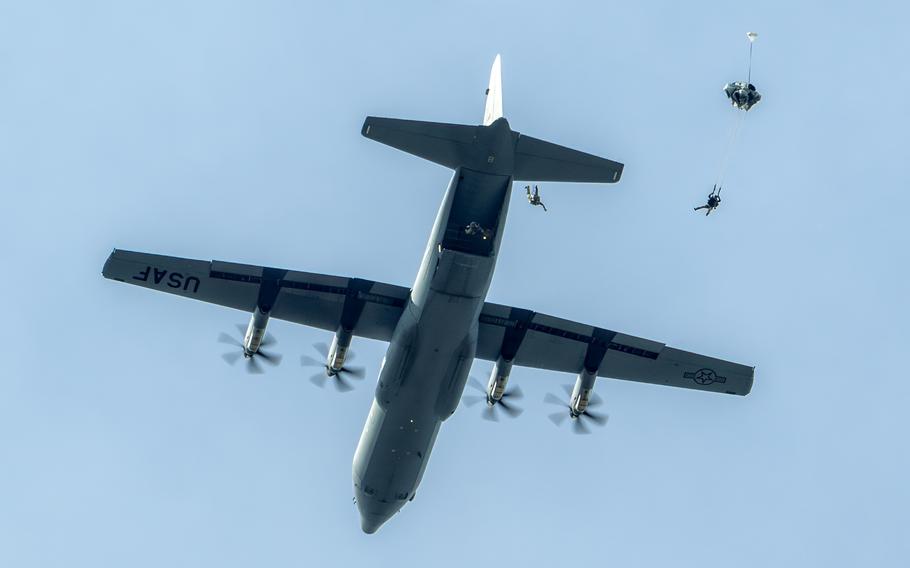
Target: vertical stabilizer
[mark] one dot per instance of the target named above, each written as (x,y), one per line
(493,109)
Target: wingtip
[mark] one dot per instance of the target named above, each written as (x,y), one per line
(105,270)
(367,126)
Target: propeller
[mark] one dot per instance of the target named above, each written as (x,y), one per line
(252,363)
(579,423)
(337,378)
(490,412)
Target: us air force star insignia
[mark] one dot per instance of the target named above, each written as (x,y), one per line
(705,377)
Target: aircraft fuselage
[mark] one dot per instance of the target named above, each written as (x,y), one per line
(426,366)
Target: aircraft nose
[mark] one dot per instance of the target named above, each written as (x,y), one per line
(374,512)
(371,523)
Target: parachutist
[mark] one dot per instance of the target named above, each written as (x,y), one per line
(713,201)
(534,198)
(474,228)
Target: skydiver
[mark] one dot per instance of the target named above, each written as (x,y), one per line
(534,198)
(713,201)
(475,228)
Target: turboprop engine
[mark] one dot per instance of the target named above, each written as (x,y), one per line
(495,394)
(499,378)
(255,332)
(582,392)
(333,364)
(335,357)
(581,398)
(254,339)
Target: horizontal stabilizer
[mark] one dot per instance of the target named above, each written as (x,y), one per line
(538,160)
(458,145)
(448,145)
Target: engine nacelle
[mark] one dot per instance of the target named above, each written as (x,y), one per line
(499,378)
(255,331)
(582,393)
(338,351)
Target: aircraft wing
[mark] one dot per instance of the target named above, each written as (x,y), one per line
(540,341)
(372,309)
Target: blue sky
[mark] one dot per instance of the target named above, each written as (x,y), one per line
(230,131)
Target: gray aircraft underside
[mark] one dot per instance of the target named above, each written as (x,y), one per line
(439,326)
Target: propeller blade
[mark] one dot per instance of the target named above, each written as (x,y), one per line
(515,394)
(349,356)
(225,338)
(341,385)
(270,358)
(553,399)
(322,348)
(253,367)
(489,414)
(319,379)
(308,361)
(558,417)
(268,340)
(477,385)
(599,419)
(512,411)
(579,427)
(241,328)
(354,372)
(231,357)
(568,389)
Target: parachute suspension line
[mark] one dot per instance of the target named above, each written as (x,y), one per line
(752,36)
(749,80)
(728,151)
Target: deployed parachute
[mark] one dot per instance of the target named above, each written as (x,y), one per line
(744,95)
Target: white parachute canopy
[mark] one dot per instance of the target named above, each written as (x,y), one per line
(751,36)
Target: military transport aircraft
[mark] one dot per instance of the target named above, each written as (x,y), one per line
(436,328)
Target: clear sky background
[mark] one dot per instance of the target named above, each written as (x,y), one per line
(223,130)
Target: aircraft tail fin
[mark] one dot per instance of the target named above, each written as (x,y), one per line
(493,109)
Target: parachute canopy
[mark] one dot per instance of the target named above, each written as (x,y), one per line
(742,95)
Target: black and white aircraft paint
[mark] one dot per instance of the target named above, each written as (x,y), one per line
(437,328)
